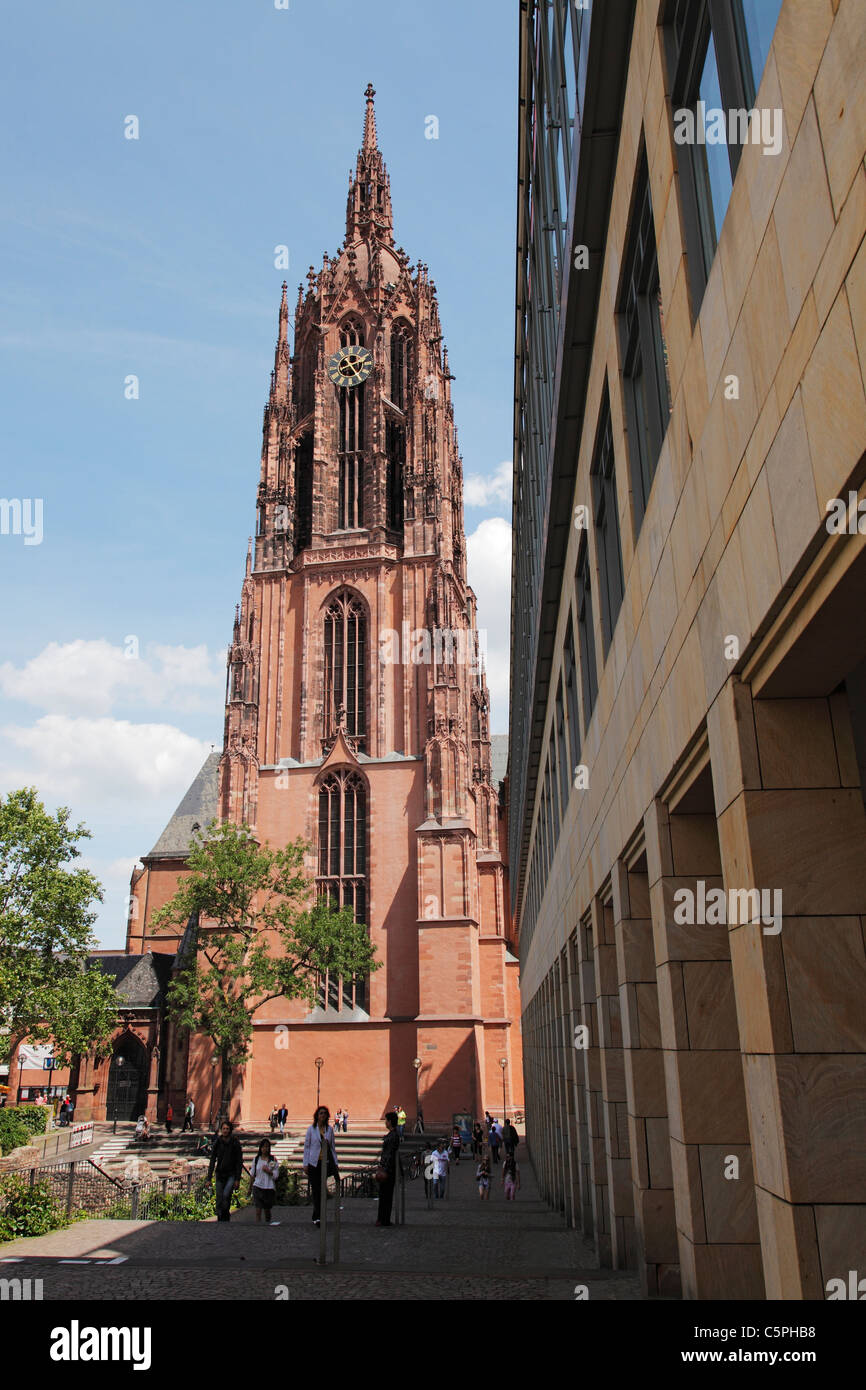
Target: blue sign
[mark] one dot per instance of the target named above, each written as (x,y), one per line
(48,1063)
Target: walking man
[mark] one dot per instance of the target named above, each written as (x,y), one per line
(188,1115)
(510,1139)
(401,1120)
(388,1161)
(226,1166)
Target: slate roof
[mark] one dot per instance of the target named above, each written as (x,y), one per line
(199,805)
(139,981)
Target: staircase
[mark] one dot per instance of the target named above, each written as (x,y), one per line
(111,1149)
(357,1149)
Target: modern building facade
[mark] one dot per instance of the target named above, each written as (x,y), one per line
(687,761)
(357,711)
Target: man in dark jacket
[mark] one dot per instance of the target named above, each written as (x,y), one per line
(510,1138)
(227,1161)
(388,1161)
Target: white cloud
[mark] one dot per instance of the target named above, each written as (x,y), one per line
(92,763)
(489,571)
(482,489)
(93,677)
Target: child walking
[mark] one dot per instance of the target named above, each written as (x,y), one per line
(264,1176)
(511,1178)
(482,1177)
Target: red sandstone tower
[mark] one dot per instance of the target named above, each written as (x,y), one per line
(357,711)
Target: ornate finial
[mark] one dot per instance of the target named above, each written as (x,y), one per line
(370,142)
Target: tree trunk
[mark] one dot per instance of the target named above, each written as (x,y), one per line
(225,1089)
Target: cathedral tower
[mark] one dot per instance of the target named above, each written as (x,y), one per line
(357,710)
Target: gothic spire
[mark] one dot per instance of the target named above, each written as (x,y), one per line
(370,144)
(368,212)
(280,374)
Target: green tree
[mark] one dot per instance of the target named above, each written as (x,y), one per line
(48,989)
(257,934)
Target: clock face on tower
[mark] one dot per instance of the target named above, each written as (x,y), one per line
(350,366)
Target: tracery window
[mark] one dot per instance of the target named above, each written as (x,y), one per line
(401,366)
(351,414)
(395,451)
(345,668)
(342,875)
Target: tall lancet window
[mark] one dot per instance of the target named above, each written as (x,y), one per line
(350,399)
(342,875)
(345,696)
(395,451)
(401,365)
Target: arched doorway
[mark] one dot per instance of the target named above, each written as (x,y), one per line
(127,1080)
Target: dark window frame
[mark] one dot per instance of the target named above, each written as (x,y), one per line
(586,632)
(571,697)
(608,542)
(688,26)
(643,350)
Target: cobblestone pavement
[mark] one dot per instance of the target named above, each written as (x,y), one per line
(460,1249)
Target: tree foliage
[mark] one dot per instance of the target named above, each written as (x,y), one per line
(259,935)
(48,990)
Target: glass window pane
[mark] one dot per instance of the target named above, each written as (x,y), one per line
(715,158)
(759,17)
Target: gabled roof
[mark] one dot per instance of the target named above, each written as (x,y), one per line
(139,981)
(199,806)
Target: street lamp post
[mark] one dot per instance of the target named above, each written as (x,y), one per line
(503,1062)
(20,1075)
(419,1122)
(320,1062)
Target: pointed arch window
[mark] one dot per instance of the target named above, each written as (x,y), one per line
(395,453)
(345,694)
(304,377)
(350,403)
(402,358)
(342,875)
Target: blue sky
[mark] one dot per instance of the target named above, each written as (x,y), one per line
(155,257)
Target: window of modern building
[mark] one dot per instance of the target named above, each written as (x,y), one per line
(342,875)
(569,668)
(608,547)
(717,51)
(345,668)
(561,746)
(586,633)
(554,787)
(644,353)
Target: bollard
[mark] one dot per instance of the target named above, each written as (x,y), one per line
(70,1189)
(323,1203)
(339,1197)
(135,1201)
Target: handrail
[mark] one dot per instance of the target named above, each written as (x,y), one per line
(112,1180)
